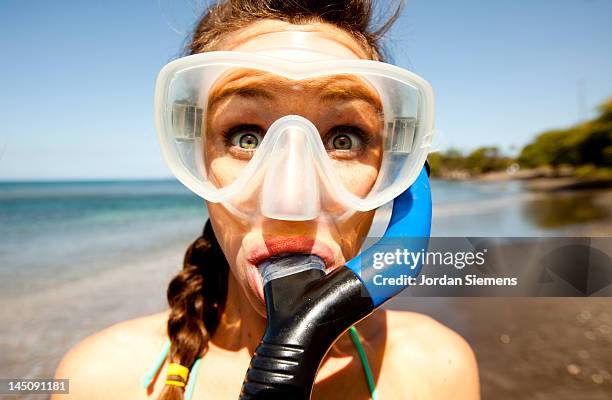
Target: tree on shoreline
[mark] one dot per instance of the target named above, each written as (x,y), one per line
(589,143)
(586,148)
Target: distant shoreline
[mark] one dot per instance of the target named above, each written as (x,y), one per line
(536,179)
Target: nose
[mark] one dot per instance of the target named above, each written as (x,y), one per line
(290,189)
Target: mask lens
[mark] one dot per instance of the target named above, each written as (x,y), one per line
(367,130)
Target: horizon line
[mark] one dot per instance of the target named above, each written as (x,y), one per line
(85,179)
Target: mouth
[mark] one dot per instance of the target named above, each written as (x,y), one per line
(284,246)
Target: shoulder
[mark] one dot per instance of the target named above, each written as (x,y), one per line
(441,352)
(120,354)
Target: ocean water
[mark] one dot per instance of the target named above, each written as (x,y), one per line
(483,209)
(55,231)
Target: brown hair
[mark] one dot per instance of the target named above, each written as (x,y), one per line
(198,293)
(353,16)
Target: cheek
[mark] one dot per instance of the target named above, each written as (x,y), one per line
(231,234)
(224,170)
(228,231)
(358,178)
(353,231)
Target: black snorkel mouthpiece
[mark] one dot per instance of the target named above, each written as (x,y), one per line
(307,311)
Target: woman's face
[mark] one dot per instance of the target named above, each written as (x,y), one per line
(242,106)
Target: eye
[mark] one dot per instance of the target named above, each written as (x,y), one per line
(345,140)
(342,142)
(246,141)
(244,137)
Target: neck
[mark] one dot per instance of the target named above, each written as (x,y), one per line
(242,326)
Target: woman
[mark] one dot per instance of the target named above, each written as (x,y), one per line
(217,308)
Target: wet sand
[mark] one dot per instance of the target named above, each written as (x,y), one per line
(602,226)
(38,329)
(541,348)
(526,348)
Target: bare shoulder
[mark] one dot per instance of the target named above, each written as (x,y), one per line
(444,355)
(119,354)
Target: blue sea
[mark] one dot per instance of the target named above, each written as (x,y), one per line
(54,231)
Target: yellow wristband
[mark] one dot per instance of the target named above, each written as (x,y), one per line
(178,370)
(175,383)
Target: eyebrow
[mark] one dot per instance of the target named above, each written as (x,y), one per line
(356,92)
(250,91)
(332,91)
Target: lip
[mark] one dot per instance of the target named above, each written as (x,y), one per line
(298,245)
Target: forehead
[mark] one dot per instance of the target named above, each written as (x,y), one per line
(261,34)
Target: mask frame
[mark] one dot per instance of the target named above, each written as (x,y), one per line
(419,145)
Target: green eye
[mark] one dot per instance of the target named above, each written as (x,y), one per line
(345,139)
(245,137)
(248,141)
(342,142)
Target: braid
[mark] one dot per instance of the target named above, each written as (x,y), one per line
(196,296)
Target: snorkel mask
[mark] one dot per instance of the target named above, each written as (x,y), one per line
(365,146)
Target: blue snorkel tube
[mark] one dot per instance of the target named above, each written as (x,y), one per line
(409,229)
(307,311)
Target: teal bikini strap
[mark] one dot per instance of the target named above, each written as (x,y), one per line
(148,378)
(193,374)
(364,361)
(193,377)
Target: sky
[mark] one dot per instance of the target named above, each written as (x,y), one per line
(77,77)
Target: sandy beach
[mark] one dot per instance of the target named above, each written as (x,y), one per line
(540,348)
